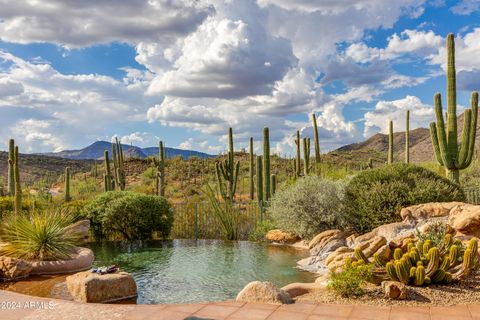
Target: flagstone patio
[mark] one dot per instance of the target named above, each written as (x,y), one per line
(19,306)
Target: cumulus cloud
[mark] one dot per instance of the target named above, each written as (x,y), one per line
(378,119)
(466,7)
(85,23)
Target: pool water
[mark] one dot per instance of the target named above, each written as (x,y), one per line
(186,271)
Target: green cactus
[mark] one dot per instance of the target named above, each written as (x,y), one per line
(251,170)
(67,197)
(318,169)
(259,180)
(407,140)
(297,161)
(17,199)
(266,164)
(11,173)
(306,156)
(442,265)
(390,143)
(107,176)
(444,139)
(273,183)
(118,164)
(160,175)
(227,171)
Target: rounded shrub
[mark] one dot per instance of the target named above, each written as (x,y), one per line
(376,196)
(129,215)
(309,206)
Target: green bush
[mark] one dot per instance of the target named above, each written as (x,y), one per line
(350,281)
(308,207)
(261,229)
(375,197)
(130,215)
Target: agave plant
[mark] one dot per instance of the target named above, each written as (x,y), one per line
(40,235)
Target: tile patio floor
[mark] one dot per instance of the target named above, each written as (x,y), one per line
(18,306)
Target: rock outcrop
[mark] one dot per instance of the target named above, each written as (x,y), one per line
(263,292)
(280,236)
(92,287)
(12,268)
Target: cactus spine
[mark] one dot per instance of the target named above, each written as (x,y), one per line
(297,160)
(251,169)
(444,139)
(160,177)
(11,173)
(407,140)
(259,180)
(390,143)
(318,169)
(67,197)
(17,200)
(228,170)
(266,164)
(306,156)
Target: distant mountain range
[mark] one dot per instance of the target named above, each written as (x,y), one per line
(96,149)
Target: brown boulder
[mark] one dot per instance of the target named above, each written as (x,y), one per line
(81,228)
(466,220)
(299,289)
(394,290)
(263,292)
(324,237)
(92,287)
(428,210)
(281,236)
(12,268)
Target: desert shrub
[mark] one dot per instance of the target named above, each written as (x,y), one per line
(308,207)
(76,208)
(435,233)
(39,235)
(350,281)
(130,215)
(375,197)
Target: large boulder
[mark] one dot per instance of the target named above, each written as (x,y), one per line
(87,286)
(263,292)
(81,259)
(326,242)
(429,210)
(12,268)
(465,220)
(81,228)
(281,236)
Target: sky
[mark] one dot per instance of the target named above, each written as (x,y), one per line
(183,71)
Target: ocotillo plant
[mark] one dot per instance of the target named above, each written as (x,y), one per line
(251,169)
(306,156)
(444,139)
(67,185)
(266,164)
(107,177)
(407,140)
(228,170)
(11,159)
(317,146)
(259,180)
(160,180)
(390,143)
(297,161)
(17,200)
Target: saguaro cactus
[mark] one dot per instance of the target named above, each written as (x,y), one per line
(297,160)
(266,164)
(444,139)
(390,143)
(251,169)
(407,141)
(259,180)
(67,197)
(317,146)
(161,170)
(306,156)
(11,174)
(17,200)
(228,170)
(107,176)
(273,182)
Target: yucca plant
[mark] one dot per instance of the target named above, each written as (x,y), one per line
(40,235)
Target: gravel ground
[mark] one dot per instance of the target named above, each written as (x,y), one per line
(464,292)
